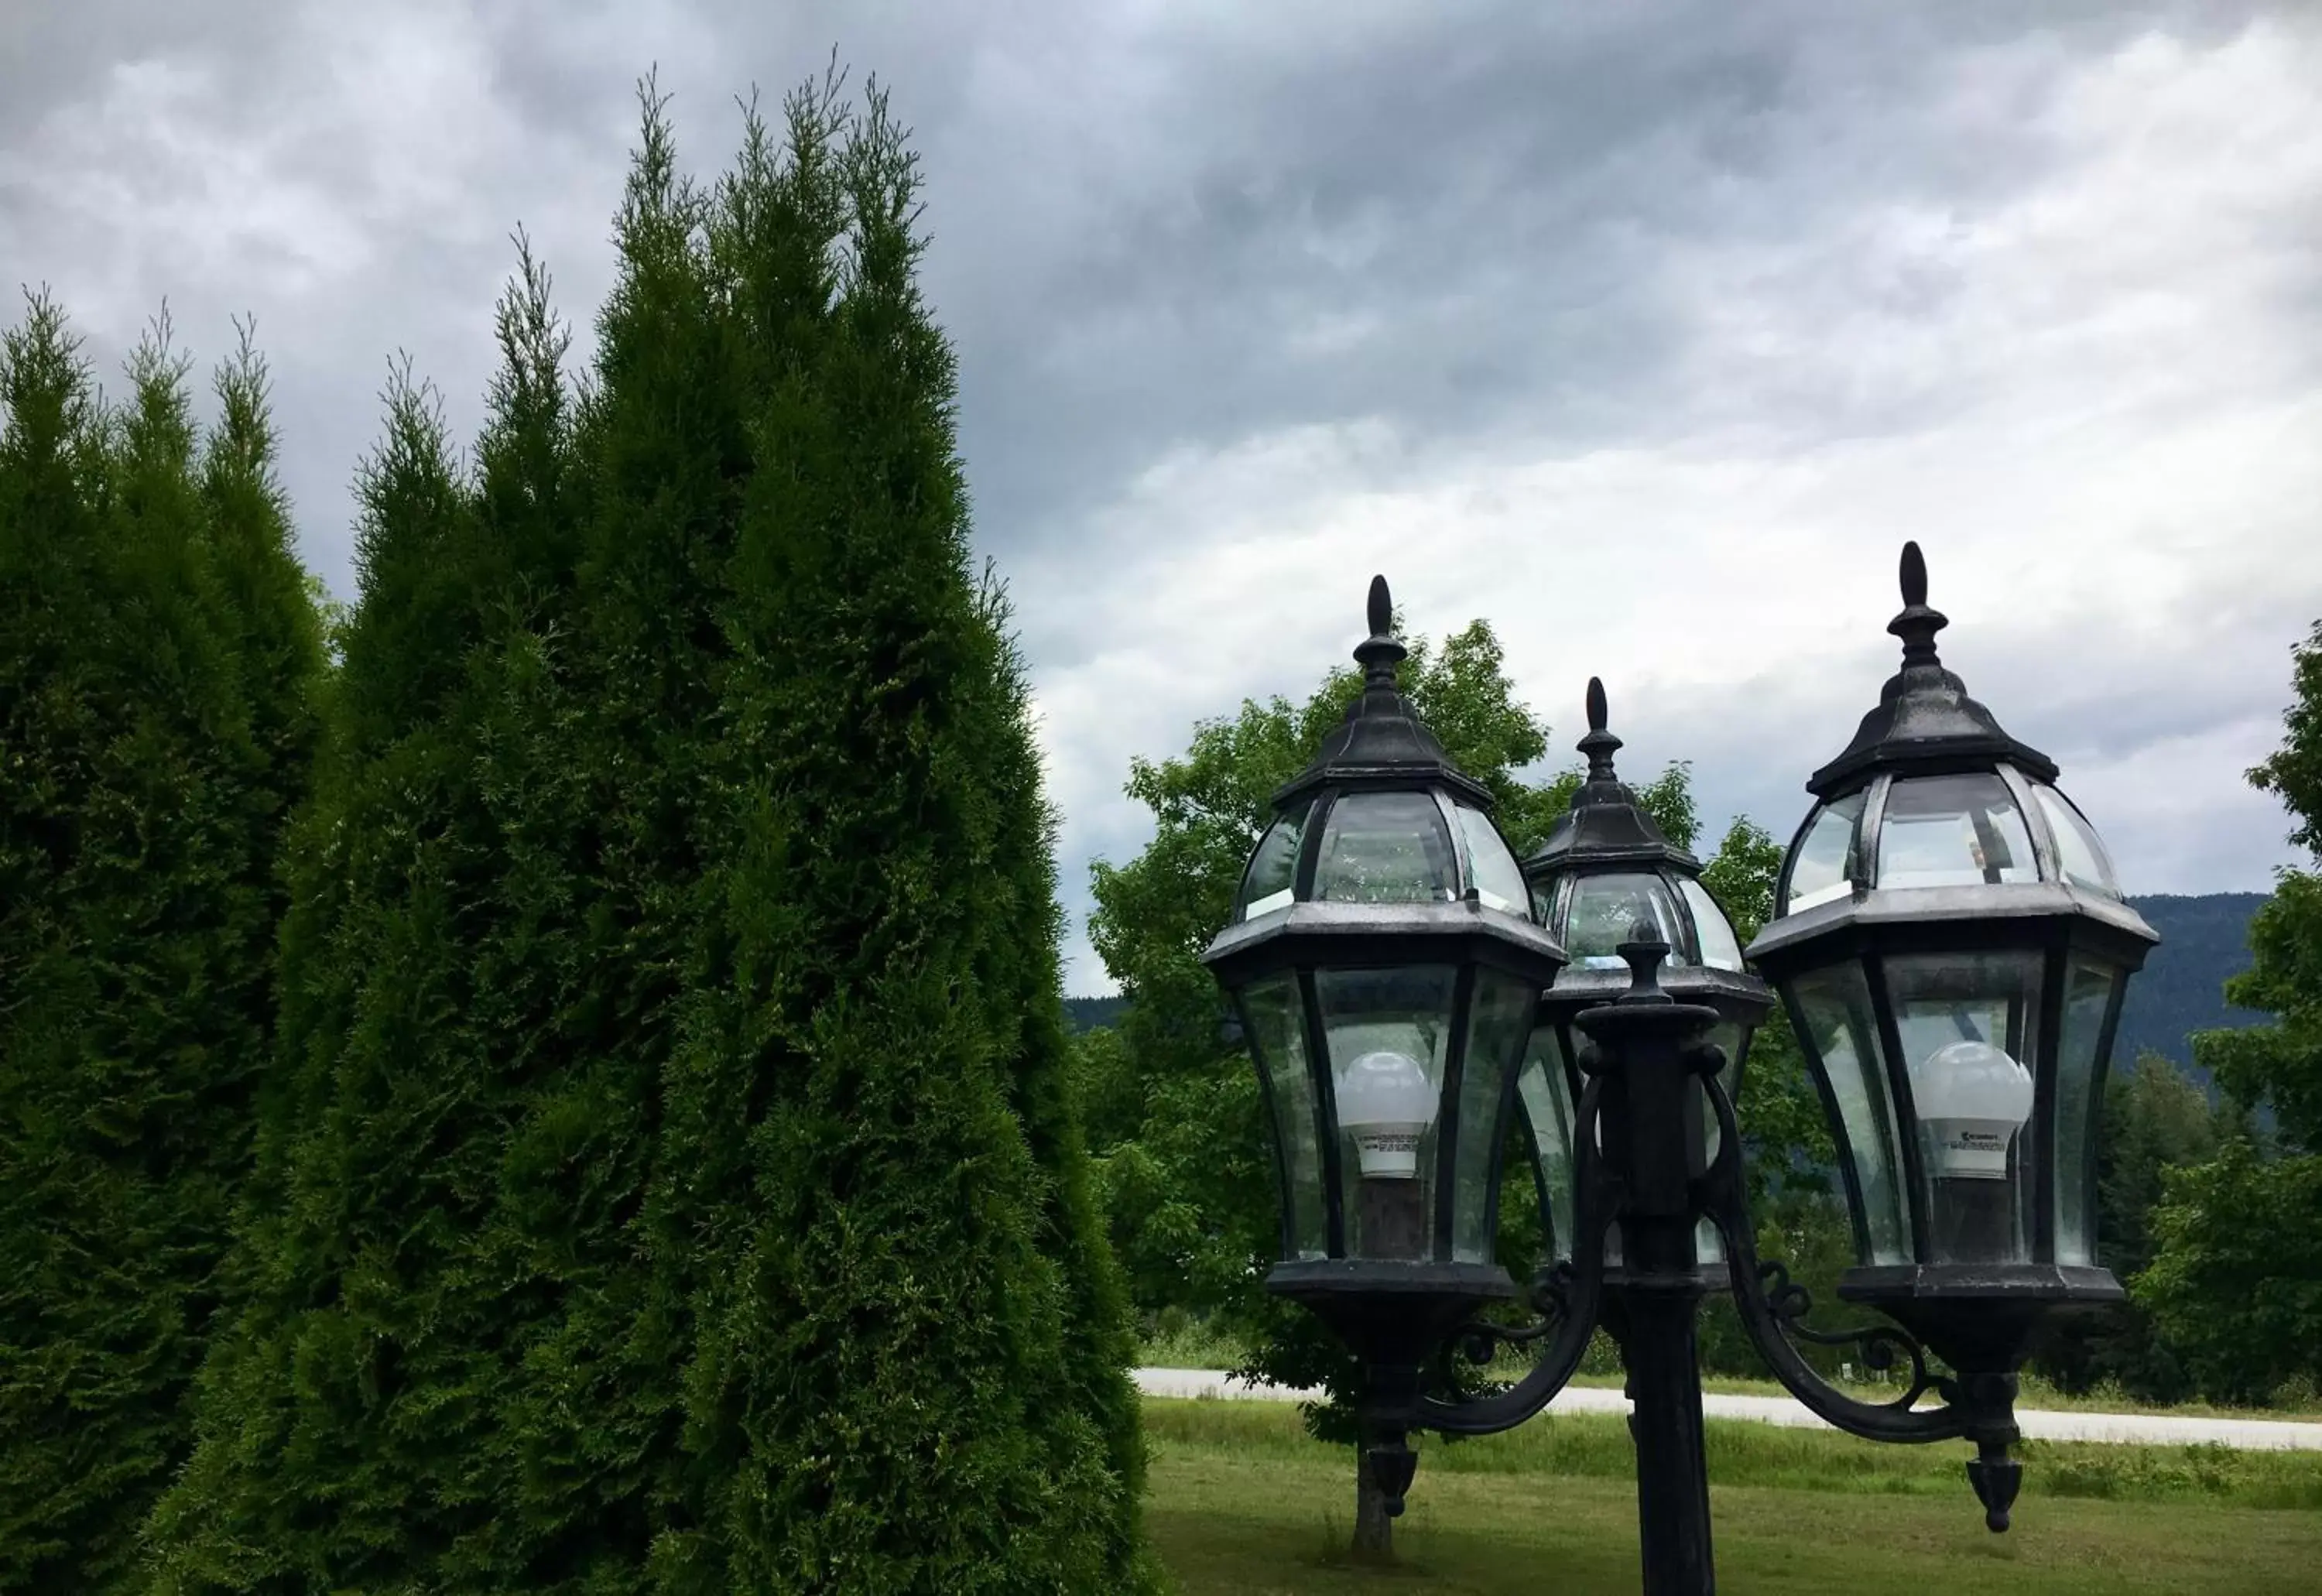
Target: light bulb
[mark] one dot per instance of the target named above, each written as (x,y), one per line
(1973,1098)
(1386,1102)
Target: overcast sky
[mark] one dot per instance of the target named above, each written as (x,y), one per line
(1647,331)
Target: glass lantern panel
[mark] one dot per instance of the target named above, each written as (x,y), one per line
(2078,849)
(1274,1019)
(1954,831)
(1832,1008)
(1387,1031)
(1499,1024)
(1546,1093)
(1265,885)
(1968,1024)
(1822,867)
(1604,912)
(1720,949)
(1386,847)
(2087,994)
(1730,1037)
(1492,868)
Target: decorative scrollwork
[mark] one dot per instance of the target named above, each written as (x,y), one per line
(1566,1297)
(1551,1297)
(1772,1306)
(1882,1347)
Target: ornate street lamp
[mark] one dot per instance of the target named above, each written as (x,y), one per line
(1386,967)
(1951,947)
(1605,868)
(1950,942)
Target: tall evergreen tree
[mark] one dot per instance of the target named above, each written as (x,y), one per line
(675,1193)
(436,1374)
(908,1370)
(157,659)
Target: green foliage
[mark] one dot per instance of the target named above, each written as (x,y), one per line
(2235,1279)
(2154,1120)
(158,658)
(2235,1282)
(2278,1066)
(680,1188)
(2294,771)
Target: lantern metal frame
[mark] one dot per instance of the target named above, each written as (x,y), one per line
(1636,1150)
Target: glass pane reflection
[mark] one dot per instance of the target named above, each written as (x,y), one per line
(1836,1023)
(1274,866)
(2078,849)
(2088,993)
(1968,1023)
(1499,1024)
(1271,1015)
(1954,831)
(1386,847)
(1824,865)
(1404,1014)
(1604,912)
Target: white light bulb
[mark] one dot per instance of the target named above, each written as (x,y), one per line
(1386,1102)
(1973,1098)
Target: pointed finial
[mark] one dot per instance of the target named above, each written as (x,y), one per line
(1915,575)
(1599,745)
(1918,624)
(1379,653)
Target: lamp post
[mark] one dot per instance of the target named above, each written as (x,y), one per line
(1950,945)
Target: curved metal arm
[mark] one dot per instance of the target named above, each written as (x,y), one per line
(1572,1290)
(1771,1304)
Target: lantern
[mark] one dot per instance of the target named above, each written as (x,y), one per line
(1606,870)
(1386,967)
(1952,947)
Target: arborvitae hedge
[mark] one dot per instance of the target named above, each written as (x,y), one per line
(158,663)
(908,1371)
(675,1189)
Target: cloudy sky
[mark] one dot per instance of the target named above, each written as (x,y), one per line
(1647,331)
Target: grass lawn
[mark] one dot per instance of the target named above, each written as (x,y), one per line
(1241,1501)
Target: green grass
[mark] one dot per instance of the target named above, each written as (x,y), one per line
(1242,1501)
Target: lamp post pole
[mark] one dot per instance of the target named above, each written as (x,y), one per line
(1642,1053)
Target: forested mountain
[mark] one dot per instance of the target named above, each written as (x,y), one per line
(2204,939)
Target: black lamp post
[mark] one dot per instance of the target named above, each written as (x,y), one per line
(1951,947)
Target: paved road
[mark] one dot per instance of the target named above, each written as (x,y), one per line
(2149,1429)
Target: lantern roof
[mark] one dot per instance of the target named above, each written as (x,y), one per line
(1382,741)
(1605,825)
(1925,723)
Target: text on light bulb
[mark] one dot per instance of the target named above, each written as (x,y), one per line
(1386,1102)
(1972,1097)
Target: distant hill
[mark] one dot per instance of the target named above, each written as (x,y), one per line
(2204,939)
(1088,1013)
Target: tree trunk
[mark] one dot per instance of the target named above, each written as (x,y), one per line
(1373,1528)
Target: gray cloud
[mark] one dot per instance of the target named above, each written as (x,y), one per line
(1647,331)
